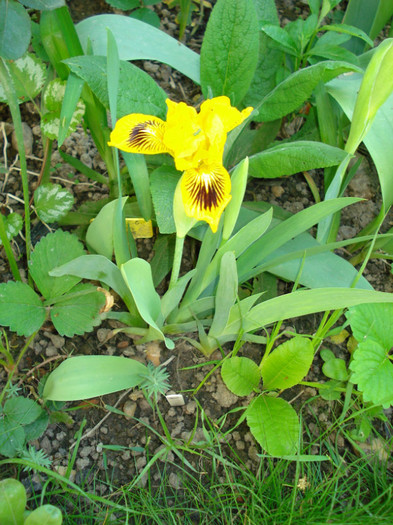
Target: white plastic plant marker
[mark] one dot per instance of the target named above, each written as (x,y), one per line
(175,400)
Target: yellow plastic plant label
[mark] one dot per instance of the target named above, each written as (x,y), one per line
(140,228)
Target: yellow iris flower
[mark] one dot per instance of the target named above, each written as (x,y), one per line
(196,142)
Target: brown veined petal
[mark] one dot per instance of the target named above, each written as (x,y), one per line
(206,192)
(138,133)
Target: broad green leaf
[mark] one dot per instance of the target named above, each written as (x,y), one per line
(294,157)
(163,182)
(265,78)
(54,250)
(161,263)
(53,99)
(124,5)
(15,30)
(315,6)
(378,138)
(12,501)
(372,321)
(52,202)
(137,93)
(137,40)
(287,364)
(21,410)
(28,75)
(229,52)
(95,268)
(20,308)
(270,58)
(84,377)
(144,14)
(13,224)
(45,515)
(137,275)
(301,302)
(99,235)
(12,438)
(330,390)
(241,375)
(327,355)
(333,52)
(43,5)
(335,369)
(348,30)
(266,10)
(274,424)
(373,372)
(35,429)
(290,94)
(78,311)
(281,37)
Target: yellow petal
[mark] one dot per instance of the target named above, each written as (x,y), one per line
(183,134)
(206,192)
(138,133)
(220,107)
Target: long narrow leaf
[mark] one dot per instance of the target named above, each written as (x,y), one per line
(120,241)
(285,231)
(226,294)
(71,97)
(138,277)
(302,302)
(139,175)
(88,172)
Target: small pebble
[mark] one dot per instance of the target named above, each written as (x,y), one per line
(129,409)
(27,139)
(174,481)
(277,191)
(57,340)
(51,351)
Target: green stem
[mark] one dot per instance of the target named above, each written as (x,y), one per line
(8,86)
(27,344)
(45,170)
(270,342)
(8,250)
(177,257)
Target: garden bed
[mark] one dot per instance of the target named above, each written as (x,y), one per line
(122,439)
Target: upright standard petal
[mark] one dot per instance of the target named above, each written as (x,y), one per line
(220,107)
(138,133)
(206,192)
(183,135)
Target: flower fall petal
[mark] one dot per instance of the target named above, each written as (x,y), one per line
(138,133)
(206,192)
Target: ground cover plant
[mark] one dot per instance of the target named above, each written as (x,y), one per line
(185,170)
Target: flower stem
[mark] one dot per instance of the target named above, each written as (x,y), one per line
(177,257)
